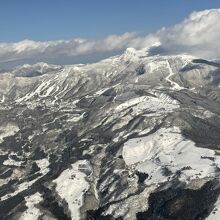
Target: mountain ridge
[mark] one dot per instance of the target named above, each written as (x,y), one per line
(130,137)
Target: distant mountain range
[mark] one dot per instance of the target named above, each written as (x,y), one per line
(134,136)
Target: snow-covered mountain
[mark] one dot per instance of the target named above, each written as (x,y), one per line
(130,137)
(37,69)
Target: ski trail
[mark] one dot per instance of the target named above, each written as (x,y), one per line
(3,99)
(174,85)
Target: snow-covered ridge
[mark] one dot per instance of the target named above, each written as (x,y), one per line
(135,66)
(91,140)
(71,186)
(37,69)
(167,148)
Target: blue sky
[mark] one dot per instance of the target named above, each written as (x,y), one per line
(67,19)
(84,31)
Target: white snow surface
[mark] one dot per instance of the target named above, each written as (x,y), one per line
(28,70)
(32,212)
(11,162)
(215,214)
(174,85)
(8,130)
(168,148)
(71,186)
(160,104)
(43,165)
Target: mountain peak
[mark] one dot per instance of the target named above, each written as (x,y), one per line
(37,69)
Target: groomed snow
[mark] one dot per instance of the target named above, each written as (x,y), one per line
(174,85)
(71,186)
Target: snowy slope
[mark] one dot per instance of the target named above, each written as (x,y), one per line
(130,137)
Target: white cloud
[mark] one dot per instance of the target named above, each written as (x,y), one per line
(28,49)
(199,35)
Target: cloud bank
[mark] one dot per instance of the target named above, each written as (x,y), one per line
(198,34)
